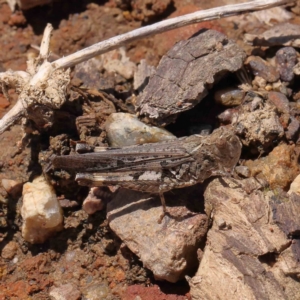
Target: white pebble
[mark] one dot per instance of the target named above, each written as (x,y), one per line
(41,212)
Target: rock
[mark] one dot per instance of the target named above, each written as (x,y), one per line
(9,250)
(254,255)
(292,132)
(27,4)
(97,291)
(186,73)
(12,187)
(296,69)
(280,101)
(65,292)
(279,168)
(17,19)
(259,129)
(87,74)
(146,11)
(140,292)
(41,213)
(277,14)
(142,74)
(286,59)
(96,199)
(116,61)
(243,171)
(261,68)
(228,116)
(126,129)
(66,203)
(259,82)
(229,96)
(168,249)
(284,34)
(295,186)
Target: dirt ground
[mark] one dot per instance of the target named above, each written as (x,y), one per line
(86,258)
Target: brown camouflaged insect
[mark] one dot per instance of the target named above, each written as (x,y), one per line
(157,167)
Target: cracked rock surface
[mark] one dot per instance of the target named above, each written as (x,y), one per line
(186,73)
(250,252)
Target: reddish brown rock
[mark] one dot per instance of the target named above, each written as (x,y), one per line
(9,250)
(261,68)
(3,102)
(150,293)
(280,101)
(292,132)
(17,19)
(93,202)
(146,10)
(279,168)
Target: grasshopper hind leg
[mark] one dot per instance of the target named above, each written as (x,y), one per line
(164,207)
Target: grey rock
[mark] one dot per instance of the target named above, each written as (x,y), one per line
(186,73)
(286,59)
(126,130)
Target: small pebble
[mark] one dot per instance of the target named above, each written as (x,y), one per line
(295,186)
(262,68)
(292,131)
(92,205)
(243,171)
(65,203)
(96,199)
(260,82)
(12,187)
(65,292)
(229,96)
(256,103)
(280,101)
(97,291)
(286,59)
(125,129)
(228,116)
(41,212)
(9,250)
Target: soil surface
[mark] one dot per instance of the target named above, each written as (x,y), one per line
(86,260)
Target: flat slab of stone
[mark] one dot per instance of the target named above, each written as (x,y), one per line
(252,249)
(186,73)
(168,249)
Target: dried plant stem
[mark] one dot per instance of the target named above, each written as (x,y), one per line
(39,72)
(12,116)
(196,17)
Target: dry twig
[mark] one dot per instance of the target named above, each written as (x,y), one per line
(45,83)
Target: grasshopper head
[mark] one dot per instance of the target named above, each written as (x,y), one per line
(227,148)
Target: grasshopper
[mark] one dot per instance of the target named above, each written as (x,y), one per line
(156,167)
